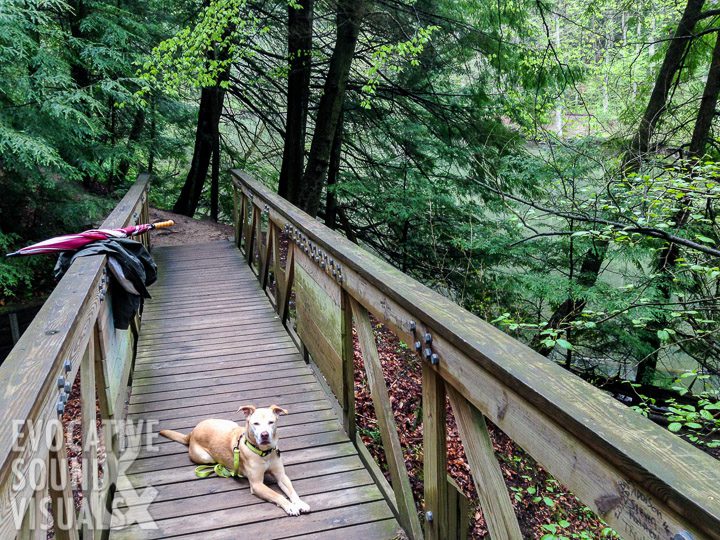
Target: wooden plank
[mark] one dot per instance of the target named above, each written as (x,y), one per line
(288,284)
(90,480)
(319,320)
(387,528)
(612,441)
(386,422)
(180,382)
(60,491)
(458,512)
(348,366)
(434,453)
(191,395)
(487,475)
(282,352)
(195,487)
(242,498)
(332,520)
(216,524)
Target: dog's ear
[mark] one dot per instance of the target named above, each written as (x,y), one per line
(277,410)
(247,409)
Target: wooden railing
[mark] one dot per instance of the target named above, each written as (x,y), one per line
(644,481)
(72,334)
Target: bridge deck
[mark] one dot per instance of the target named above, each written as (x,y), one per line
(211,341)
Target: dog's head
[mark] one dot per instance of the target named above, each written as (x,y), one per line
(262,423)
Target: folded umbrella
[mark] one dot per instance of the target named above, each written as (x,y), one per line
(73,242)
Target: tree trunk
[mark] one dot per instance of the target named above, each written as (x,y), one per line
(349,17)
(300,27)
(672,63)
(333,173)
(215,175)
(211,102)
(706,114)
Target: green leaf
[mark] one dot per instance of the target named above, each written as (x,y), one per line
(565,344)
(675,427)
(548,501)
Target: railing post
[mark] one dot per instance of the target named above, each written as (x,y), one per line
(434,454)
(287,286)
(60,491)
(90,482)
(348,364)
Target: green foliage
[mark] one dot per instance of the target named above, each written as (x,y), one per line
(200,54)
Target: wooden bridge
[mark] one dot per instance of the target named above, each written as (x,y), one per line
(270,319)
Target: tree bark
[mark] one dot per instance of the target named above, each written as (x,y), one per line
(300,28)
(706,114)
(215,175)
(349,17)
(658,99)
(211,103)
(333,174)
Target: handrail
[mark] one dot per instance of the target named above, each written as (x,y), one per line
(643,480)
(64,338)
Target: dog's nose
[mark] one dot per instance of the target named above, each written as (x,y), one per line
(265,435)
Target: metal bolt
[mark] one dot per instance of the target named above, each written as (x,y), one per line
(67,366)
(61,382)
(340,278)
(334,273)
(683,535)
(412,326)
(418,346)
(429,516)
(434,359)
(102,296)
(60,407)
(67,387)
(428,353)
(322,265)
(63,397)
(332,262)
(428,338)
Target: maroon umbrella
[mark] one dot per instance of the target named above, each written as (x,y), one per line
(72,242)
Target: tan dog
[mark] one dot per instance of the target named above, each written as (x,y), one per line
(215,441)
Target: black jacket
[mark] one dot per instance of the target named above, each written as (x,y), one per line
(134,262)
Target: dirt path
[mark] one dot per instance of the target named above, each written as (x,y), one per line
(187,230)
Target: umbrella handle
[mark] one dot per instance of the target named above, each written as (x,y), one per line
(163,224)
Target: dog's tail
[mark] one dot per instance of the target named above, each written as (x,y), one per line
(176,436)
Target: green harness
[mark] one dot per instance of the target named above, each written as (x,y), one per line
(203,471)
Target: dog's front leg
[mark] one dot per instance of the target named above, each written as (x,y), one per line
(278,471)
(259,489)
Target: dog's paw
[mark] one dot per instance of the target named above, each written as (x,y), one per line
(292,509)
(303,506)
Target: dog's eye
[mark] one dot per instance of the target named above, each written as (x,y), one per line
(271,423)
(256,423)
